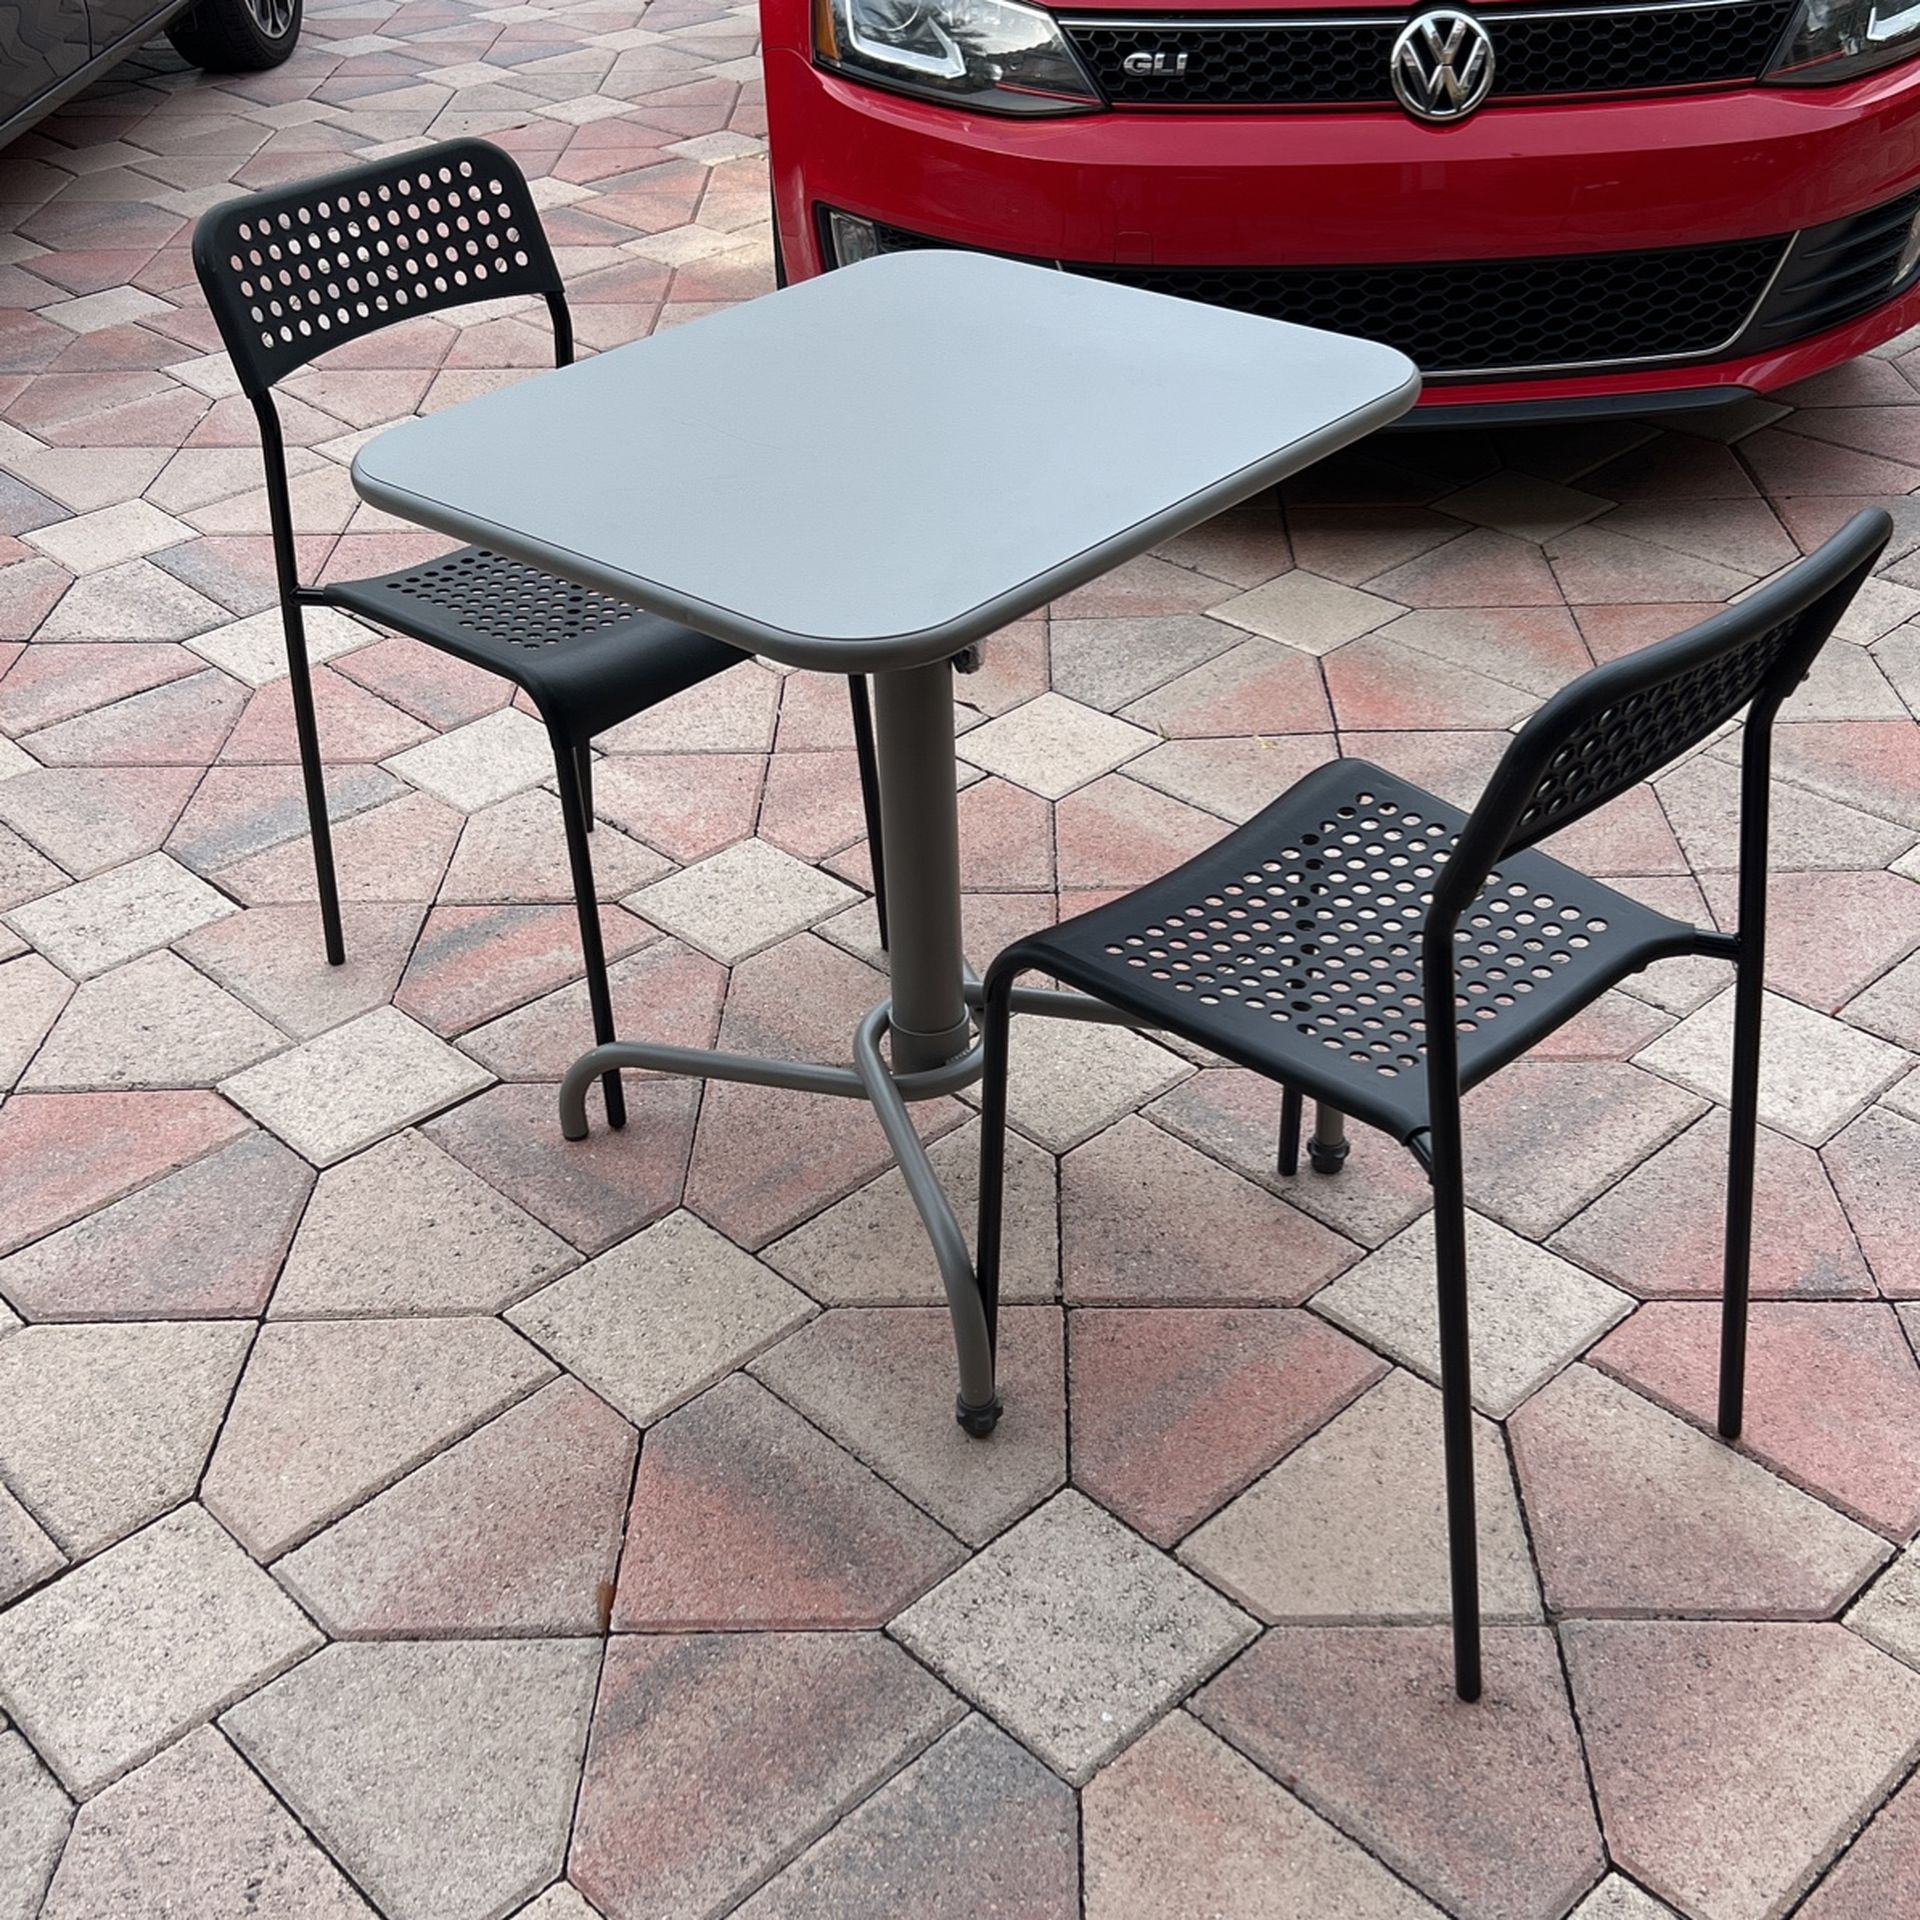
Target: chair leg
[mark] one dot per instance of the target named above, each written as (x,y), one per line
(1456,1401)
(313,778)
(583,767)
(1291,1102)
(996,1015)
(573,808)
(1742,1144)
(1328,1148)
(869,792)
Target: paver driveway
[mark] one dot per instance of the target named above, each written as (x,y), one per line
(404,1510)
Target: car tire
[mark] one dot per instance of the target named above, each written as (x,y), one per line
(236,36)
(779,252)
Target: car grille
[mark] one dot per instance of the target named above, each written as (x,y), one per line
(1492,316)
(1309,61)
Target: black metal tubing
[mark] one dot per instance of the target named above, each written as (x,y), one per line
(862,708)
(1287,1160)
(294,598)
(567,759)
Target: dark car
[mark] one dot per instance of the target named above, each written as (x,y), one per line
(50,49)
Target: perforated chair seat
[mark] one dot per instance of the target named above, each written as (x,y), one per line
(589,661)
(1293,946)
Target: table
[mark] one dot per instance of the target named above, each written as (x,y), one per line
(868,473)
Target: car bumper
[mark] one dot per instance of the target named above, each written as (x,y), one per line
(1144,191)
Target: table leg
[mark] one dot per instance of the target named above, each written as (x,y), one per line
(920,831)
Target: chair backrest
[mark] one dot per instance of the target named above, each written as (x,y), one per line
(295,270)
(1623,722)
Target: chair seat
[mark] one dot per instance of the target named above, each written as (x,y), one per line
(589,660)
(1293,946)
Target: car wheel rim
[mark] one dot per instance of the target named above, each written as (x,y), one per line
(272,17)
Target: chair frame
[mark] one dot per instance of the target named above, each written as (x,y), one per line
(1514,812)
(261,364)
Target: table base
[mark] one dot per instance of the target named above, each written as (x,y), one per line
(870,1078)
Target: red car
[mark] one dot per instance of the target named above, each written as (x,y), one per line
(1555,209)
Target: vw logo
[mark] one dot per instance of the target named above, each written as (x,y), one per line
(1442,65)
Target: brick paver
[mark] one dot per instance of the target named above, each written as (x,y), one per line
(404,1511)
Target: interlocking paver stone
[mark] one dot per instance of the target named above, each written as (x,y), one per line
(661,1317)
(717,1758)
(352,1085)
(441,1774)
(34,1815)
(1634,1511)
(194,1831)
(69,1153)
(146,718)
(1352,1523)
(1888,1613)
(744,1516)
(1732,1759)
(405,1228)
(973,1813)
(1073,1633)
(1832,1394)
(1872,1163)
(205,1242)
(877,1379)
(330,1411)
(103,1427)
(870,1250)
(119,915)
(1875,1877)
(1438,1800)
(1531,1312)
(513,1530)
(1662,1230)
(1148,1221)
(119,1657)
(1181,1824)
(484,761)
(156,1022)
(739,901)
(27,1552)
(1616,1898)
(1177,1409)
(1053,744)
(1816,1073)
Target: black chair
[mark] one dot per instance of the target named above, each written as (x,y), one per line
(294,271)
(1364,942)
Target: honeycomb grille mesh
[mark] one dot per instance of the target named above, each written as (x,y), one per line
(1344,62)
(499,599)
(1492,315)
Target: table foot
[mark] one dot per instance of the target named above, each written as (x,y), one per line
(978,1421)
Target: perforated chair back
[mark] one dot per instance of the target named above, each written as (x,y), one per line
(1625,721)
(296,270)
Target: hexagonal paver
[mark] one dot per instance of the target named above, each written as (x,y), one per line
(1053,744)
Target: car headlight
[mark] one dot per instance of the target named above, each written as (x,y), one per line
(1840,39)
(990,54)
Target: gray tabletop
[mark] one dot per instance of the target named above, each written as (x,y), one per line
(873,468)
